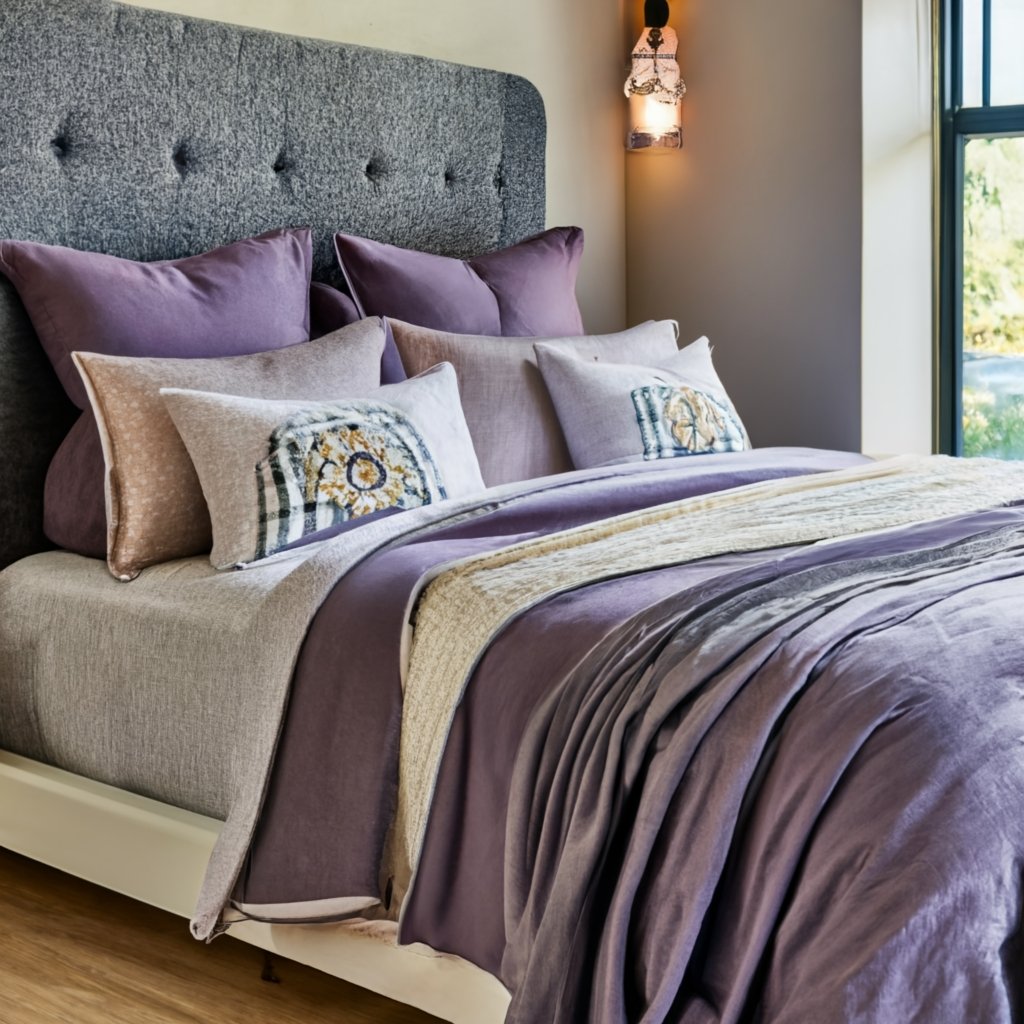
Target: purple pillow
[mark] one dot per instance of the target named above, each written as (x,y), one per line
(527,290)
(330,310)
(74,503)
(250,296)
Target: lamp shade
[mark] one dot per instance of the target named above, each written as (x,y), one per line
(655,89)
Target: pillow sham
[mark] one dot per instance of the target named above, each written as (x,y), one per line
(617,413)
(155,505)
(249,296)
(511,419)
(244,297)
(324,463)
(526,290)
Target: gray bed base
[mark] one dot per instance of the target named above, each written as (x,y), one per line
(151,136)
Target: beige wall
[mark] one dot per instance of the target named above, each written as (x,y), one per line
(752,234)
(571,50)
(898,218)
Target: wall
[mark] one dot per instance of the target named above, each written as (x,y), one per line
(898,221)
(570,50)
(752,234)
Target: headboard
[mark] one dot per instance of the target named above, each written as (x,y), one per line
(152,136)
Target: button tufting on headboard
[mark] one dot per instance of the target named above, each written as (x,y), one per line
(283,163)
(375,169)
(181,157)
(160,100)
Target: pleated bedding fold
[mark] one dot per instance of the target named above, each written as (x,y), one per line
(463,608)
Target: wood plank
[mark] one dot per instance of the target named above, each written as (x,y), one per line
(73,953)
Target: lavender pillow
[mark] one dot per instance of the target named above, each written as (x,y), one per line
(249,296)
(525,291)
(330,310)
(74,503)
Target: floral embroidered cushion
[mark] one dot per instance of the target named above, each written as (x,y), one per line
(613,412)
(275,472)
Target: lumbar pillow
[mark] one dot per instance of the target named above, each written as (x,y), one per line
(620,413)
(275,472)
(511,419)
(526,290)
(155,505)
(249,296)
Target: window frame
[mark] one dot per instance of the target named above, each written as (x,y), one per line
(959,125)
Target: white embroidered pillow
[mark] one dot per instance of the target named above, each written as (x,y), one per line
(614,412)
(275,472)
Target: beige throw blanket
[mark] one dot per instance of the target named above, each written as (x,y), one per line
(463,609)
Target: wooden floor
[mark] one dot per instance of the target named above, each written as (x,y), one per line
(73,953)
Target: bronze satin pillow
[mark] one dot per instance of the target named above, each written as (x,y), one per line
(155,505)
(513,424)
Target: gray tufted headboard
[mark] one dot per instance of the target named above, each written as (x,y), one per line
(152,136)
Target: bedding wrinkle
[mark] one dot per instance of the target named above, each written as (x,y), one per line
(345,703)
(813,920)
(465,608)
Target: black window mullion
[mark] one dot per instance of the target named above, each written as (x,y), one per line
(986,54)
(953,54)
(948,371)
(958,126)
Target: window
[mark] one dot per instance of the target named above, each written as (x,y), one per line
(981,365)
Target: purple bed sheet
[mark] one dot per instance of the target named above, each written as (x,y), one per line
(824,822)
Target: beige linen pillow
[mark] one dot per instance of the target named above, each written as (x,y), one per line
(155,505)
(274,472)
(511,419)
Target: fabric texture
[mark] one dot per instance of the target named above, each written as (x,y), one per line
(790,795)
(331,309)
(461,611)
(152,136)
(347,696)
(74,502)
(149,136)
(316,465)
(614,413)
(249,296)
(511,419)
(201,730)
(245,297)
(155,505)
(526,290)
(35,415)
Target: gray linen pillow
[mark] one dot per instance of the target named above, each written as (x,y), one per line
(511,419)
(274,472)
(624,413)
(155,506)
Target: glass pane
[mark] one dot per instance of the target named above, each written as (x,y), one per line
(974,47)
(993,395)
(1007,52)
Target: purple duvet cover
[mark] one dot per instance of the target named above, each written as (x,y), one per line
(777,786)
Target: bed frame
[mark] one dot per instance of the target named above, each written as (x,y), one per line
(151,136)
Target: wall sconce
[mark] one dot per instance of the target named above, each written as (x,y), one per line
(655,87)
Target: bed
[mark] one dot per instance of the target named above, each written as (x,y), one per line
(728,737)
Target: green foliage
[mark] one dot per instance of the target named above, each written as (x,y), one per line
(993,425)
(994,246)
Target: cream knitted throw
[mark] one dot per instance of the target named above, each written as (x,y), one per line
(464,608)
